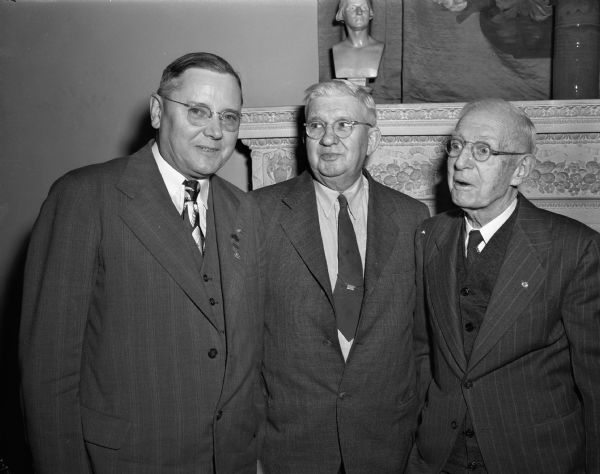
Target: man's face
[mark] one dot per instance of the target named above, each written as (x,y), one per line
(484,189)
(356,14)
(337,162)
(196,151)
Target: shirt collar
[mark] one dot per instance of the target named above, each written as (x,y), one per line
(488,230)
(174,181)
(327,197)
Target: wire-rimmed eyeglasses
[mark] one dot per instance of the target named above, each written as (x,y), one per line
(341,128)
(200,114)
(481,151)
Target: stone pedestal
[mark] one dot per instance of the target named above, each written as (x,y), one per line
(576,59)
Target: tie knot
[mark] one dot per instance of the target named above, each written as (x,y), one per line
(192,188)
(475,238)
(343,201)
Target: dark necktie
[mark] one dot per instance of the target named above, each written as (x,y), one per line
(348,292)
(190,212)
(475,238)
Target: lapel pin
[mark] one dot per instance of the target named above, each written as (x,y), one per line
(524,284)
(423,232)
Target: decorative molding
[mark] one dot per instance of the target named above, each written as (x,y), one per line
(411,156)
(554,116)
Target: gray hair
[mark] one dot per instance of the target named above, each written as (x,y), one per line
(521,127)
(342,87)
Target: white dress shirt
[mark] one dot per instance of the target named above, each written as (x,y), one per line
(328,208)
(174,181)
(488,230)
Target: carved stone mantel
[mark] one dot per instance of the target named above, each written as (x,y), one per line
(411,155)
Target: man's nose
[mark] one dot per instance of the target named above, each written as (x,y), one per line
(465,159)
(213,128)
(329,137)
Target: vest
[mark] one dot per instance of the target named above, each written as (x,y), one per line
(475,287)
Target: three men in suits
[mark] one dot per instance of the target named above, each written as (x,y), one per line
(339,370)
(512,296)
(142,322)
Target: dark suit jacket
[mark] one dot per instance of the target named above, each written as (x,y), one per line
(126,366)
(532,383)
(320,409)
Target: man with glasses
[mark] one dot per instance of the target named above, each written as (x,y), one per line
(512,296)
(339,368)
(142,321)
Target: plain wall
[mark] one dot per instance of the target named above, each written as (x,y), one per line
(75,80)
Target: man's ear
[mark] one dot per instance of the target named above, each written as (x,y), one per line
(374,138)
(155,110)
(525,166)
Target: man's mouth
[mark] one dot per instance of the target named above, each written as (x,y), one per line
(207,149)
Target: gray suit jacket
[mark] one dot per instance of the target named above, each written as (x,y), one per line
(321,410)
(126,365)
(532,383)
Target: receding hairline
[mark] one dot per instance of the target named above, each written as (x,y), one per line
(342,88)
(171,75)
(519,127)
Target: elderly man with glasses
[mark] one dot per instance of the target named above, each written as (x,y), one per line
(141,332)
(339,369)
(512,297)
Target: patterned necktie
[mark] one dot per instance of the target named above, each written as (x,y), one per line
(349,289)
(190,212)
(475,238)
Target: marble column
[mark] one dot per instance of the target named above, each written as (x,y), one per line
(576,58)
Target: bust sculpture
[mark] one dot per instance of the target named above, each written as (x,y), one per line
(358,56)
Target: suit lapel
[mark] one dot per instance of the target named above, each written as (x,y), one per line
(521,276)
(440,273)
(154,220)
(382,236)
(301,225)
(230,243)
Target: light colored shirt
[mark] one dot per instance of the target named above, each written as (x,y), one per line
(488,230)
(328,208)
(174,181)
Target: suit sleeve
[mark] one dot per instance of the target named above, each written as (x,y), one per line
(581,316)
(59,275)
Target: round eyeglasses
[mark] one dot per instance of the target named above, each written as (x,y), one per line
(481,151)
(341,128)
(200,114)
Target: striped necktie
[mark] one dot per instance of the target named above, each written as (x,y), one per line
(190,212)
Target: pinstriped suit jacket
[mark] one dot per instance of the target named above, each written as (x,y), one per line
(321,409)
(118,335)
(532,384)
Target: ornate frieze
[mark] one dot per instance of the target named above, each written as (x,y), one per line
(411,155)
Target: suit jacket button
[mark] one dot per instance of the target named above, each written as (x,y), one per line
(205,277)
(469,327)
(465,291)
(468,384)
(213,353)
(453,424)
(342,395)
(219,414)
(212,301)
(469,433)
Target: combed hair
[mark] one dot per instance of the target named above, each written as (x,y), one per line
(208,61)
(339,16)
(342,87)
(523,130)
